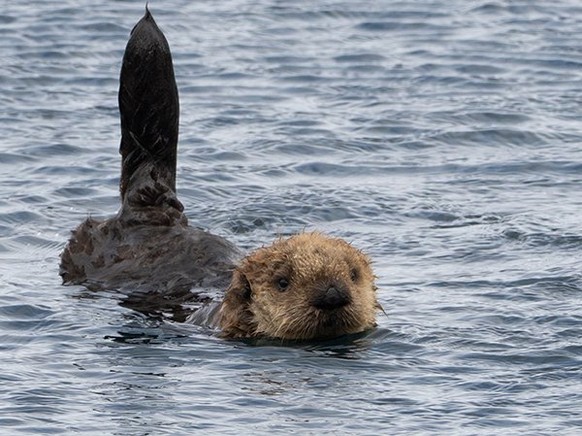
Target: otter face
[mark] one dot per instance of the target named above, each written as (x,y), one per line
(308,286)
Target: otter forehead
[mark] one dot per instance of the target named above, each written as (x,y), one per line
(319,246)
(312,253)
(313,262)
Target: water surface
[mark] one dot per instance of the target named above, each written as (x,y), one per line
(443,138)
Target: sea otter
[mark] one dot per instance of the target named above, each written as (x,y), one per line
(308,286)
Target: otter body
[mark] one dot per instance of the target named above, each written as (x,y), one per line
(149,244)
(308,286)
(110,255)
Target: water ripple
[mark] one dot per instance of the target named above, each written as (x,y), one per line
(443,138)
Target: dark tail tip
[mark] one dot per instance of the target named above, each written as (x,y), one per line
(148,104)
(148,14)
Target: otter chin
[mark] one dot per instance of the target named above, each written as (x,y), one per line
(308,286)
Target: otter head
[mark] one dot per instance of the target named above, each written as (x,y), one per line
(308,286)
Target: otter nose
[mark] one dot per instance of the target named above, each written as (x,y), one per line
(332,298)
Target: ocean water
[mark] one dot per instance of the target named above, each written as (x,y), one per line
(444,138)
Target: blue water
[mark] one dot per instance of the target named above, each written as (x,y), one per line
(444,138)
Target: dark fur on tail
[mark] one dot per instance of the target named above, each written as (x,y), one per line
(148,103)
(148,251)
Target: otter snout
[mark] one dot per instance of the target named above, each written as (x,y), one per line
(331,297)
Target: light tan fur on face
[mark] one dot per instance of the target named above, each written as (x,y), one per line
(310,264)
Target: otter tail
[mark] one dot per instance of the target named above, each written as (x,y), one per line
(149,109)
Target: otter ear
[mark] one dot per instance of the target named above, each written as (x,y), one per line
(235,318)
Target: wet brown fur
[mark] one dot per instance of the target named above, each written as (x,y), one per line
(311,263)
(150,253)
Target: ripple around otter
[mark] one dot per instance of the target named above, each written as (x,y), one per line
(443,138)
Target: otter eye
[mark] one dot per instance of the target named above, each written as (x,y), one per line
(283,284)
(354,274)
